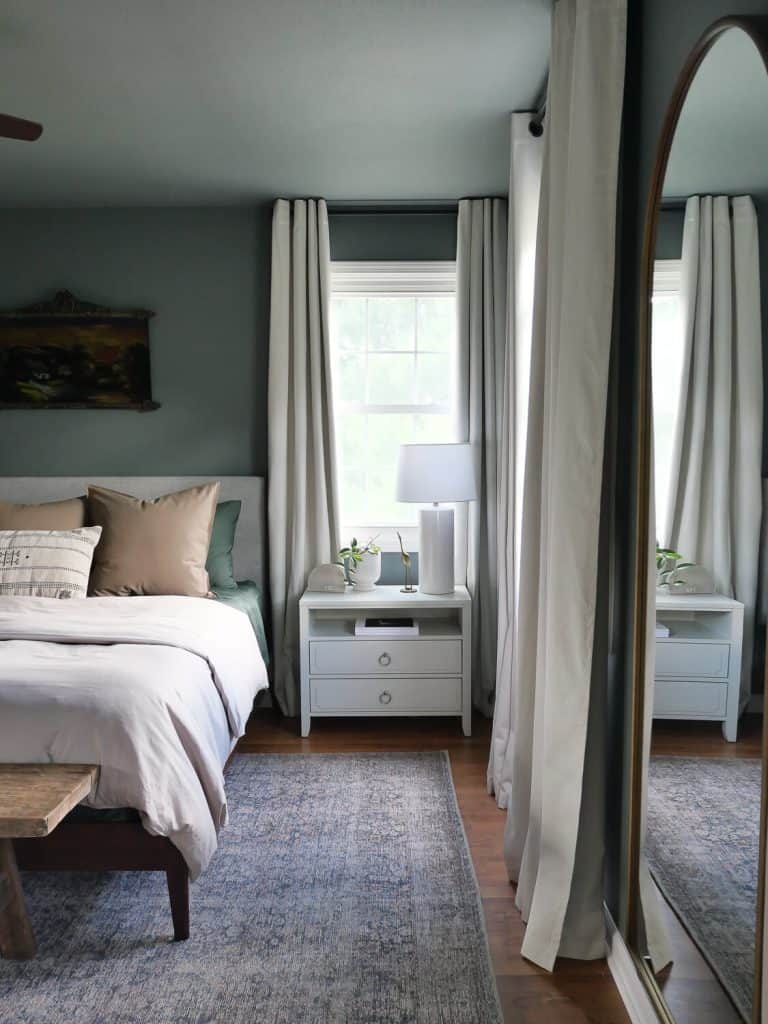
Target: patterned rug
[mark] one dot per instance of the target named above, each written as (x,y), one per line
(702,846)
(342,892)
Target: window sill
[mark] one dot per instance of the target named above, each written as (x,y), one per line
(386,536)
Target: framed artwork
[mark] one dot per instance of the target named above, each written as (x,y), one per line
(70,354)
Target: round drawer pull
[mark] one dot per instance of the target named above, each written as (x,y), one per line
(385,697)
(384,659)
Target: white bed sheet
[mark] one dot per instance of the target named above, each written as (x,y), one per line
(155,690)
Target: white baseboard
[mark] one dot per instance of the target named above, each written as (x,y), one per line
(622,967)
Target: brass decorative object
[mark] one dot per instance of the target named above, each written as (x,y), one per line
(406,559)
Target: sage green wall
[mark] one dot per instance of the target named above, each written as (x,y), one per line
(669,234)
(393,236)
(205,273)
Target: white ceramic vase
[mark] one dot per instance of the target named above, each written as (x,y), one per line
(367,572)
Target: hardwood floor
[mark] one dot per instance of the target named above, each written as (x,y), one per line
(578,992)
(693,993)
(705,739)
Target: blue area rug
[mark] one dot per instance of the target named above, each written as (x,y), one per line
(342,892)
(703,844)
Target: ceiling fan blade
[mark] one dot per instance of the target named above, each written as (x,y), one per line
(18,128)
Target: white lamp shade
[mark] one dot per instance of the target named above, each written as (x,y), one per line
(436,472)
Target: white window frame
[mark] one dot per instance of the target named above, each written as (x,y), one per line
(392,278)
(667,277)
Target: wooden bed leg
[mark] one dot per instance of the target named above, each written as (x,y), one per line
(178,892)
(17,940)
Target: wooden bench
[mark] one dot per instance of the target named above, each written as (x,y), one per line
(33,800)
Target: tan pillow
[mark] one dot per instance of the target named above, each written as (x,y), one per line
(156,546)
(54,515)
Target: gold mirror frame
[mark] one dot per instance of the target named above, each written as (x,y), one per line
(756,27)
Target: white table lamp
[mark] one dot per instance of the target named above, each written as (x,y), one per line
(435,473)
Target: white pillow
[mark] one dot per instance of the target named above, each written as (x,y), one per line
(46,563)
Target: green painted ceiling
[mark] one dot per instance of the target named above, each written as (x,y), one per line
(184,102)
(721,142)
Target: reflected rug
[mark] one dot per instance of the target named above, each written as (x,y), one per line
(342,891)
(702,847)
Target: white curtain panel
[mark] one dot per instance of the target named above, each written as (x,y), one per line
(302,491)
(553,841)
(481,302)
(715,495)
(524,185)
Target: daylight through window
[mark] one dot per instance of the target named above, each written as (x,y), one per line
(667,366)
(393,335)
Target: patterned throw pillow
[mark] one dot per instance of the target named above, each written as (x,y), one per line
(46,563)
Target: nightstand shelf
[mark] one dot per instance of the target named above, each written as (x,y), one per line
(346,675)
(340,628)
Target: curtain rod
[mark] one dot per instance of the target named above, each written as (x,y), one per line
(374,206)
(536,124)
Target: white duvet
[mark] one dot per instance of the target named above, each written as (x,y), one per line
(154,690)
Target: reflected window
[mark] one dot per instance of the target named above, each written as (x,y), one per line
(667,367)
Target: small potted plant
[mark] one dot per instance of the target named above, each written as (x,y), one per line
(362,563)
(668,562)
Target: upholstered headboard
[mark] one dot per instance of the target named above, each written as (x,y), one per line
(250,551)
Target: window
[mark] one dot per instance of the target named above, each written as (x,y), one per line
(667,368)
(394,355)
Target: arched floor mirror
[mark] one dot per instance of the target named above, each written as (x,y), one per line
(696,859)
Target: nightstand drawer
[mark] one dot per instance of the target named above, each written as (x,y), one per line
(691,660)
(384,657)
(690,700)
(390,696)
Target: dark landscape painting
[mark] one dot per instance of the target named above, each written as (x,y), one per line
(74,361)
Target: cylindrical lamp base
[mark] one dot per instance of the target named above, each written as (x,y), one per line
(436,550)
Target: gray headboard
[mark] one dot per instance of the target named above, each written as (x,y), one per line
(250,550)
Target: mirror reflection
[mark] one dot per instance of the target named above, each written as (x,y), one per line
(704,771)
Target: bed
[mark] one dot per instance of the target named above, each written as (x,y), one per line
(155,690)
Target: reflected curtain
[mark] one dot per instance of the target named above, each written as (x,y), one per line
(302,491)
(653,938)
(481,303)
(524,185)
(715,494)
(554,833)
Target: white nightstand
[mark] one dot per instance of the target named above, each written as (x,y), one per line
(345,675)
(698,667)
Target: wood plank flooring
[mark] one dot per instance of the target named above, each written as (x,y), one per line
(693,993)
(579,992)
(705,739)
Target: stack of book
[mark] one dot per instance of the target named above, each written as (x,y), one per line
(383,626)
